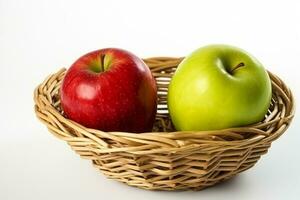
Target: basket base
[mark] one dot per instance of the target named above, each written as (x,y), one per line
(196,184)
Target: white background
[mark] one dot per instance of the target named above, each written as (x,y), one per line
(39,37)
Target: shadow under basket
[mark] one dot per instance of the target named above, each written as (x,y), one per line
(166,159)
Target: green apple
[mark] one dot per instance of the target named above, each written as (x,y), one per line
(217,87)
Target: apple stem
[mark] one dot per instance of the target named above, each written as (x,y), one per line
(102,56)
(236,67)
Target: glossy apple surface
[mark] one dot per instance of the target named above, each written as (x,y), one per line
(217,87)
(110,90)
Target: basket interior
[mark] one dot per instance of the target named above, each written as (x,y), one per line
(163,74)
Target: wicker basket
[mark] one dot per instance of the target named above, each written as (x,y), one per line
(165,159)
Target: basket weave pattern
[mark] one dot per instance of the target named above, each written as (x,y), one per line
(165,159)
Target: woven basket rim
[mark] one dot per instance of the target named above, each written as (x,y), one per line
(167,137)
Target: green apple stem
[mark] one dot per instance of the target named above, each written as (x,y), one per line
(236,67)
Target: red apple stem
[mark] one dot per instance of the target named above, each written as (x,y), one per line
(238,66)
(102,56)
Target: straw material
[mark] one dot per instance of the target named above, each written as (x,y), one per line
(165,159)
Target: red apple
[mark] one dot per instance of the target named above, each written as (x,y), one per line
(111,90)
